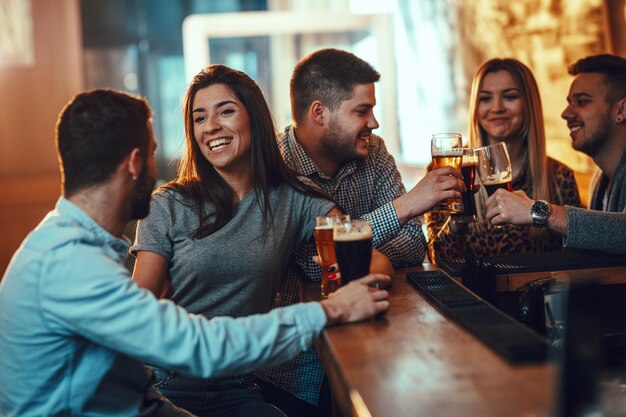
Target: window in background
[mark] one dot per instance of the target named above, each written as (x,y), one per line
(269,44)
(426,50)
(16,34)
(136,46)
(413,45)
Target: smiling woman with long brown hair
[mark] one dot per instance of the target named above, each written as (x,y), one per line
(219,237)
(505,106)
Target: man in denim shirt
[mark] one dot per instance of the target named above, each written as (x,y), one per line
(75,329)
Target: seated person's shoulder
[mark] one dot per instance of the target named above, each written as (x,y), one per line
(58,231)
(172,194)
(307,181)
(377,144)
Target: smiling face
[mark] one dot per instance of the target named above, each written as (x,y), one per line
(500,107)
(221,128)
(588,113)
(350,126)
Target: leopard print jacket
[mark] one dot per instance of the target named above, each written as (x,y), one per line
(445,243)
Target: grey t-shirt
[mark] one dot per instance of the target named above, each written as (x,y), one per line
(234,271)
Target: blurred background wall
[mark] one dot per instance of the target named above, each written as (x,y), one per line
(44,71)
(426,50)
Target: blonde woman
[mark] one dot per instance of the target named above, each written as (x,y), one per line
(505,106)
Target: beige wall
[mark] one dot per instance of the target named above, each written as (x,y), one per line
(30,100)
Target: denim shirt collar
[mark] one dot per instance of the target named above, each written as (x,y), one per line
(70,210)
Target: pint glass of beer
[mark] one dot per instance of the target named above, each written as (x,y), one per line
(353,248)
(447,150)
(468,169)
(494,167)
(331,278)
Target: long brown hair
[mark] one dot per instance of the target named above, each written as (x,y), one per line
(532,130)
(198,179)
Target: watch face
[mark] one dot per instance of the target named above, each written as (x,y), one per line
(541,209)
(539,212)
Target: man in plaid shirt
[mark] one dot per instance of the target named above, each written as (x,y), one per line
(331,142)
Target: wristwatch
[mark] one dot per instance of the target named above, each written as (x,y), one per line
(539,212)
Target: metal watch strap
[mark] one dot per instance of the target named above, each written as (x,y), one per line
(539,212)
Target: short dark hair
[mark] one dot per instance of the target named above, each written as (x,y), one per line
(95,131)
(327,75)
(613,68)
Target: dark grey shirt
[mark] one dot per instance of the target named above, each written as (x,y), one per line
(597,229)
(235,271)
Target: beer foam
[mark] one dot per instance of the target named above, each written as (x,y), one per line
(450,153)
(324,227)
(352,235)
(469,160)
(499,178)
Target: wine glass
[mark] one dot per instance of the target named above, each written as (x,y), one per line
(494,167)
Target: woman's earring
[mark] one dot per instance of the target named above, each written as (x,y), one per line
(619,119)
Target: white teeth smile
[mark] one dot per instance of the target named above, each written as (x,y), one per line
(218,143)
(575,128)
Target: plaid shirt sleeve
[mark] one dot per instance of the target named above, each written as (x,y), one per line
(303,258)
(403,245)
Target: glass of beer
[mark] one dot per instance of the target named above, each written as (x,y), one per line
(447,150)
(468,169)
(494,167)
(353,248)
(331,278)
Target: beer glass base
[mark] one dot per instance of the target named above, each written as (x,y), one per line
(449,208)
(329,288)
(463,218)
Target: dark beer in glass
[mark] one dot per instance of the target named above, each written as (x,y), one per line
(491,187)
(494,167)
(353,249)
(468,169)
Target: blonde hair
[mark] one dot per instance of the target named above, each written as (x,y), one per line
(532,129)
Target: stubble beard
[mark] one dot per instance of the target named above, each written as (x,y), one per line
(593,143)
(140,200)
(338,144)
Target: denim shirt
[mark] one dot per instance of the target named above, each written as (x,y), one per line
(75,329)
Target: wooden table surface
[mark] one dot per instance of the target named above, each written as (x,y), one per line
(606,276)
(416,362)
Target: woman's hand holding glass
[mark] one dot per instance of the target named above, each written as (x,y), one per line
(509,208)
(494,170)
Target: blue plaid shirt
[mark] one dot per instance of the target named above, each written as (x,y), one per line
(365,189)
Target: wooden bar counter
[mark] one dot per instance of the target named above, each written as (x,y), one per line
(605,276)
(416,362)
